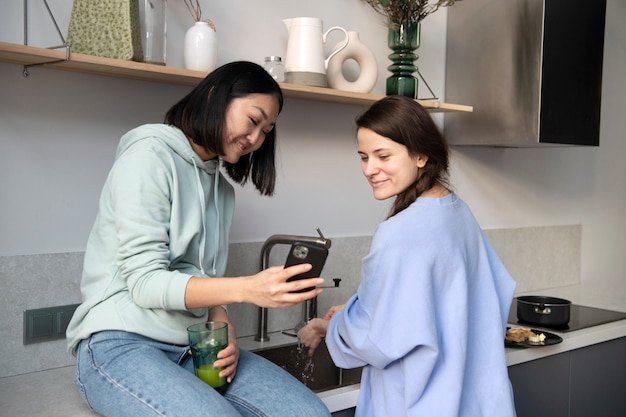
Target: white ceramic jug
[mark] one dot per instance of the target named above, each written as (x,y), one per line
(305,62)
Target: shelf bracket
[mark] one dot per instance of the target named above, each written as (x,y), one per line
(434,97)
(25,73)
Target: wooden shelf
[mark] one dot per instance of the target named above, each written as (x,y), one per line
(88,64)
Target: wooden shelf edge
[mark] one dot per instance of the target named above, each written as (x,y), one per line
(56,59)
(347,97)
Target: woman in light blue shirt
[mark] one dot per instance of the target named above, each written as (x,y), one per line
(429,317)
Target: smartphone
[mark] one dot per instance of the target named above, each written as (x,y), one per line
(307,253)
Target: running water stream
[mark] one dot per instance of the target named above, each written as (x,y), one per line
(319,373)
(309,366)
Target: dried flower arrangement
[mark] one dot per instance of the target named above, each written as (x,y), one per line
(399,11)
(196,12)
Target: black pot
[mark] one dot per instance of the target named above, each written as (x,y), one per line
(540,310)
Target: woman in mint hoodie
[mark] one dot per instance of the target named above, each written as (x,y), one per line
(156,258)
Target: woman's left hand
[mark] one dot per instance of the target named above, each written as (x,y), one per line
(228,358)
(312,334)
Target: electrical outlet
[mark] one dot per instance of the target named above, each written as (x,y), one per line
(45,324)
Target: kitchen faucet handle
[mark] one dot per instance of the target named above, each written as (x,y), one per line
(336,284)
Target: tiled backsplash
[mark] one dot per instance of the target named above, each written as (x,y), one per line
(540,257)
(537,257)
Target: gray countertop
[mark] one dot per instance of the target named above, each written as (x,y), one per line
(52,392)
(587,295)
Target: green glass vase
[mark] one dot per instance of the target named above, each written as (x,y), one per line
(403,41)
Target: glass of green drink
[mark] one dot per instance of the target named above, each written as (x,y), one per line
(206,340)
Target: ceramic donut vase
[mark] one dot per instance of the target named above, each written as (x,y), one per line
(368,67)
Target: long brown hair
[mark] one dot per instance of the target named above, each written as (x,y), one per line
(406,122)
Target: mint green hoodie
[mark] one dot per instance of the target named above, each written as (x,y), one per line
(164,216)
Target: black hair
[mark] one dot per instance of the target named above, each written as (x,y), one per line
(200,115)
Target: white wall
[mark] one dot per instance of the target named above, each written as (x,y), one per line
(59,130)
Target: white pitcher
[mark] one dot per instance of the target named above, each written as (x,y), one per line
(305,62)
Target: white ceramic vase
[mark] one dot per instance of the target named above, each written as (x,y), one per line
(200,51)
(364,57)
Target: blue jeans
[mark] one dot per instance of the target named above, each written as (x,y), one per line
(125,374)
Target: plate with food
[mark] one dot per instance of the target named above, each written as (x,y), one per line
(527,337)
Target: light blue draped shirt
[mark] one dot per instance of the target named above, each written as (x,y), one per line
(429,318)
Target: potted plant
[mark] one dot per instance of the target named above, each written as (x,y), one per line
(398,12)
(403,19)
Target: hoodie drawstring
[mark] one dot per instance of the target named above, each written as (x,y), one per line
(216,235)
(203,207)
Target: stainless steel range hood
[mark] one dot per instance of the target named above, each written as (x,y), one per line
(532,69)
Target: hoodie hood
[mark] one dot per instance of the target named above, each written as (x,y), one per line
(170,136)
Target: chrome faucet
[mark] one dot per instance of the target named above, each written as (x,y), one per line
(273,240)
(309,310)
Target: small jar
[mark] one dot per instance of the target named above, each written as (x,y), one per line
(274,65)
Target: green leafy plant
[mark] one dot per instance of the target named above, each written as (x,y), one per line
(399,11)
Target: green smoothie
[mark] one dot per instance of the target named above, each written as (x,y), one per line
(210,375)
(206,340)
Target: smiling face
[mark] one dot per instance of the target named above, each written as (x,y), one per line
(386,164)
(248,120)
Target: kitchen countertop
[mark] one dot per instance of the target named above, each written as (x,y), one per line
(581,294)
(585,295)
(52,392)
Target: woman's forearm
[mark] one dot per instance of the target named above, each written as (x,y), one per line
(207,292)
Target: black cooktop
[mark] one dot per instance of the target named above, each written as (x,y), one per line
(581,317)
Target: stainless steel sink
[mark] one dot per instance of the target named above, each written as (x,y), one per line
(319,373)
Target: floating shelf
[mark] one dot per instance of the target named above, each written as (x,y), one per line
(88,64)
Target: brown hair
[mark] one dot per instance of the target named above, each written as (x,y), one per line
(406,122)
